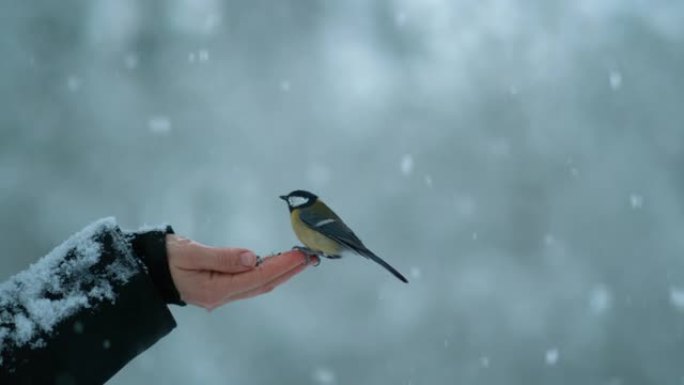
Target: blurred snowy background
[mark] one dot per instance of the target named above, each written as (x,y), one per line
(520,161)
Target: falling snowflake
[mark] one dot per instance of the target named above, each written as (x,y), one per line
(677,297)
(428,181)
(400,19)
(636,201)
(131,61)
(323,376)
(599,299)
(407,164)
(615,80)
(159,125)
(74,83)
(416,273)
(551,357)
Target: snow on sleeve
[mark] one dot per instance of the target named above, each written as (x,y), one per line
(71,277)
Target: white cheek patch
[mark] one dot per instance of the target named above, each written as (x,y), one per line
(297,201)
(324,222)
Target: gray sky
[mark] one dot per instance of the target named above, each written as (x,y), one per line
(520,161)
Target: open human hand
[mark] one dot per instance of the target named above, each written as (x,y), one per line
(212,276)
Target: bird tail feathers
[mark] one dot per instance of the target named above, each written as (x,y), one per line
(369,254)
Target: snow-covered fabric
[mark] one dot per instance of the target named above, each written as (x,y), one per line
(59,285)
(78,310)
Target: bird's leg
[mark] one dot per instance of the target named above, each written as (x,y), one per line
(309,253)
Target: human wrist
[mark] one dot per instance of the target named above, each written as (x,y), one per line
(151,248)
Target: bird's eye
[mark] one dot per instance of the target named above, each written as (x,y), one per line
(296,201)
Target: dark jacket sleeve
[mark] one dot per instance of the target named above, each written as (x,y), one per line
(79,314)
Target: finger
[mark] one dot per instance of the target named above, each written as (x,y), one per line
(311,259)
(267,287)
(187,254)
(270,269)
(226,284)
(223,260)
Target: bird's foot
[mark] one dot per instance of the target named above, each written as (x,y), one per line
(309,253)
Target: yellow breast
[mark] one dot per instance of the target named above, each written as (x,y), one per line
(313,239)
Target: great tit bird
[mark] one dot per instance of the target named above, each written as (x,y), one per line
(323,232)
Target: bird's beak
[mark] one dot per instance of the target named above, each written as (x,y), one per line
(283,197)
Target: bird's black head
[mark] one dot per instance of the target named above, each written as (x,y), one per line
(298,199)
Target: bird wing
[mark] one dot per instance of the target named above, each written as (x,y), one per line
(325,221)
(329,224)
